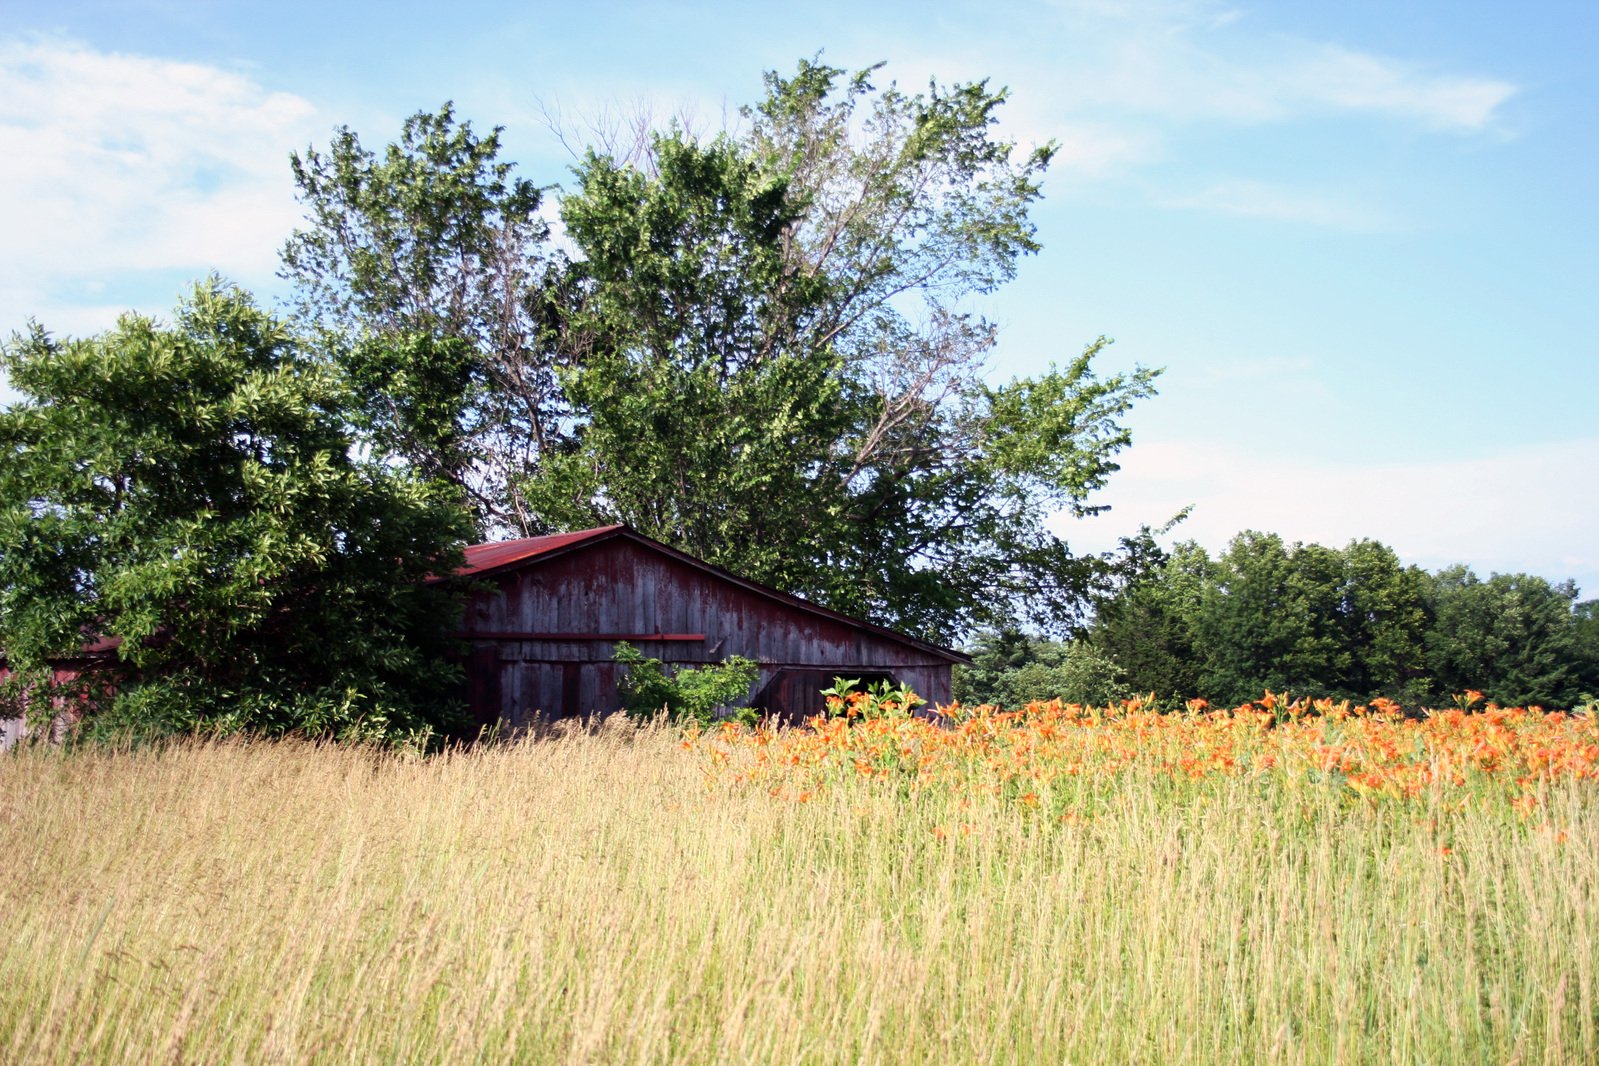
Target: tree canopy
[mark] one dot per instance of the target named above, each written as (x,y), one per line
(761,348)
(193,492)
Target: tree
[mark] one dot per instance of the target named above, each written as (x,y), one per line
(1010,668)
(996,654)
(425,270)
(1585,621)
(1514,637)
(1149,627)
(770,362)
(1385,621)
(1266,614)
(193,492)
(1311,619)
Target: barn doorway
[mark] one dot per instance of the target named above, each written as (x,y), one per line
(793,694)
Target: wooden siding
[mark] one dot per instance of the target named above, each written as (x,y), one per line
(621,586)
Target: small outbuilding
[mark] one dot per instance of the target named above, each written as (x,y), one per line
(543,634)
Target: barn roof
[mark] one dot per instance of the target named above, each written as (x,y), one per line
(487,560)
(484,559)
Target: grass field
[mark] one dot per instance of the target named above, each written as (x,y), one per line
(1035,892)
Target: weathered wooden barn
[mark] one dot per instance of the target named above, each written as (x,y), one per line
(543,635)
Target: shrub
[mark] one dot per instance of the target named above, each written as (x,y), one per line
(688,694)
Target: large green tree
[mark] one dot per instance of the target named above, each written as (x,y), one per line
(1269,614)
(193,492)
(1149,627)
(762,349)
(1352,622)
(773,364)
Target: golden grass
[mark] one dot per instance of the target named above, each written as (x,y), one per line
(602,898)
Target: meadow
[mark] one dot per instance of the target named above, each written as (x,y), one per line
(1282,882)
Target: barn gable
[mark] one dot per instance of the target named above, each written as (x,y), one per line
(543,638)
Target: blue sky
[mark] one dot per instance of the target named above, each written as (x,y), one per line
(1360,237)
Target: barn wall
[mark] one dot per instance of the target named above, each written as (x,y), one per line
(619,587)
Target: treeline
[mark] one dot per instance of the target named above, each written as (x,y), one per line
(1265,614)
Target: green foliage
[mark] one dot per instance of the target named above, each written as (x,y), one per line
(762,351)
(193,492)
(47,705)
(1148,627)
(1266,615)
(1514,637)
(1585,637)
(424,267)
(688,694)
(881,699)
(1350,623)
(767,352)
(1011,668)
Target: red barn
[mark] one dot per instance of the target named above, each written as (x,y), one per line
(543,638)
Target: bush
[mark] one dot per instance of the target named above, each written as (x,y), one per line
(689,694)
(195,492)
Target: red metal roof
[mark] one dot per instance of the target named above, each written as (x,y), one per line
(481,558)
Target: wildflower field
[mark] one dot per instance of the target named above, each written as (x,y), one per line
(1286,881)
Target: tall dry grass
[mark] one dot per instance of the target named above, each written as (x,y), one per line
(590,899)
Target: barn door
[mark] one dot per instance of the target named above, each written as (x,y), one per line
(793,695)
(483,687)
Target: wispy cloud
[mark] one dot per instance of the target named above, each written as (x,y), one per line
(1359,81)
(114,163)
(1140,88)
(1184,60)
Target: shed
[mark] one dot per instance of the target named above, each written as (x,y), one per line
(543,634)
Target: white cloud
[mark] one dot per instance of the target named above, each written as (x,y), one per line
(1522,508)
(114,163)
(1361,82)
(1198,60)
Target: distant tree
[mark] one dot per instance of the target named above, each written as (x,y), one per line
(1149,627)
(1384,619)
(996,654)
(1011,668)
(1310,619)
(1266,614)
(192,490)
(1353,622)
(426,268)
(1514,637)
(1585,623)
(771,366)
